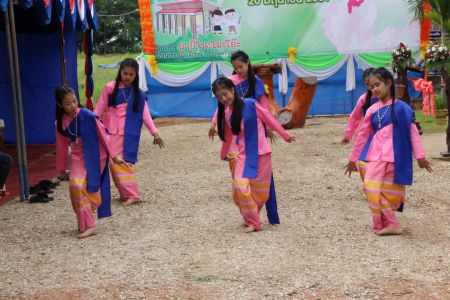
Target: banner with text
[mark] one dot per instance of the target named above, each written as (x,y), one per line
(209,30)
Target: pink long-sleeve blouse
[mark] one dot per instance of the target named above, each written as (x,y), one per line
(263,117)
(63,143)
(355,118)
(114,117)
(382,146)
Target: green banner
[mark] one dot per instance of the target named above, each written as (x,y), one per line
(208,30)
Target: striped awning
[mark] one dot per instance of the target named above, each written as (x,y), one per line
(81,14)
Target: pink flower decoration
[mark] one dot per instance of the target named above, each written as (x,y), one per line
(426,87)
(353,3)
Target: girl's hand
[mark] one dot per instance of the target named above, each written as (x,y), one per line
(425,164)
(270,135)
(350,167)
(344,141)
(291,139)
(119,160)
(157,140)
(212,132)
(63,175)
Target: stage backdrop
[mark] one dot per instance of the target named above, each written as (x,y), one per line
(201,30)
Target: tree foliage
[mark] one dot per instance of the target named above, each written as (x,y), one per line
(119,28)
(440,11)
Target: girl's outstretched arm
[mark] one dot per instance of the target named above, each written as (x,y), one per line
(212,128)
(363,135)
(226,145)
(418,151)
(104,139)
(354,120)
(416,142)
(148,122)
(102,103)
(62,152)
(266,117)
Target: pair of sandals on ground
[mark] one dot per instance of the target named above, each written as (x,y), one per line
(41,191)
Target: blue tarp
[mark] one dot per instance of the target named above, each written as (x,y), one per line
(40,74)
(195,100)
(38,43)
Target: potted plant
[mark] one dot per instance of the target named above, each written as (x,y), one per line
(401,60)
(441,109)
(417,104)
(436,57)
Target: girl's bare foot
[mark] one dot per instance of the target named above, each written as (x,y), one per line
(249,229)
(390,230)
(130,201)
(88,232)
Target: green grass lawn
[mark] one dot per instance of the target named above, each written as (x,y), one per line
(428,123)
(101,76)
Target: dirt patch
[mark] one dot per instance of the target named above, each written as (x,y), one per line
(185,240)
(177,121)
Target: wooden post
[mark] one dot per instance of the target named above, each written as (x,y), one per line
(402,83)
(265,72)
(300,101)
(446,78)
(294,115)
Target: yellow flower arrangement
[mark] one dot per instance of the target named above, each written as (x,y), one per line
(153,62)
(292,52)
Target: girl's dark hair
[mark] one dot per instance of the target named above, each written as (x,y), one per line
(60,93)
(231,10)
(217,12)
(385,76)
(130,63)
(242,56)
(236,116)
(368,100)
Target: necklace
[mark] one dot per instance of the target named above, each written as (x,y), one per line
(76,130)
(129,96)
(242,91)
(380,118)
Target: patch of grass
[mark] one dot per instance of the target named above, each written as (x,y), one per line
(201,278)
(207,278)
(428,123)
(101,76)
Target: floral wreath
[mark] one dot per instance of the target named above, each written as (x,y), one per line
(401,58)
(436,56)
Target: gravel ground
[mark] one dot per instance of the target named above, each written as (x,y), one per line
(185,240)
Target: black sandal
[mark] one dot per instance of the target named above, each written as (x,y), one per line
(40,198)
(38,188)
(48,184)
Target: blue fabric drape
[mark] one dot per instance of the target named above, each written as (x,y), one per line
(251,138)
